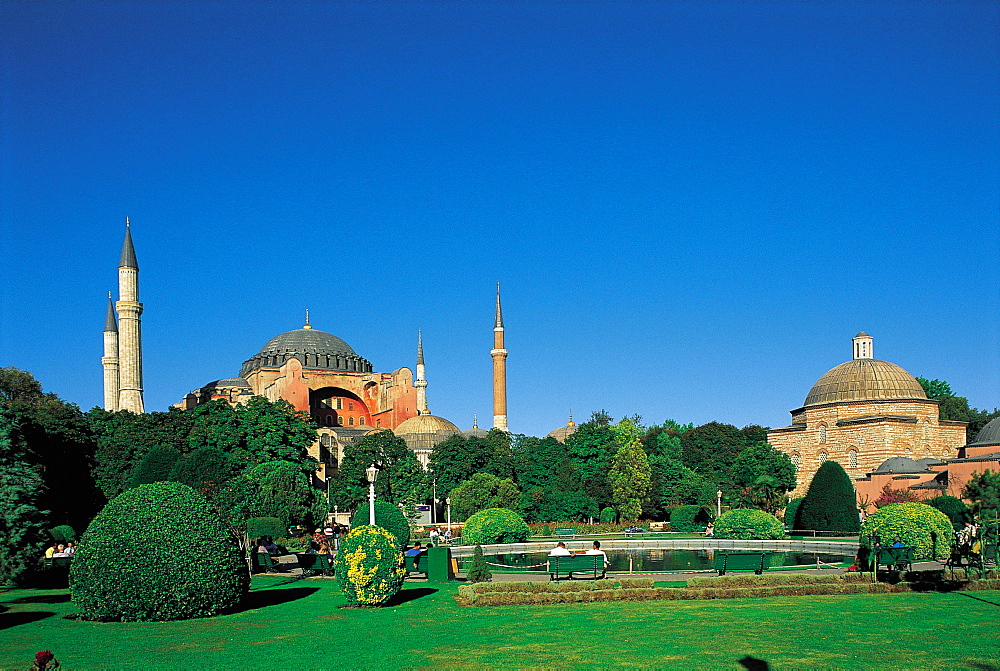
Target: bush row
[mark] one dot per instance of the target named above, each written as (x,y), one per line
(673,594)
(770,579)
(469,590)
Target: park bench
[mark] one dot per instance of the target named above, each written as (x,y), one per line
(263,562)
(57,562)
(892,557)
(591,564)
(417,564)
(758,562)
(316,563)
(566,532)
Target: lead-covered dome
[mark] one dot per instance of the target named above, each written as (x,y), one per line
(314,349)
(988,435)
(865,380)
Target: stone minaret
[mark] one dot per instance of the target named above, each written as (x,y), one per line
(129,329)
(863,346)
(421,381)
(110,358)
(499,355)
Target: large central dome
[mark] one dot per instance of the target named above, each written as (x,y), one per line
(865,380)
(314,349)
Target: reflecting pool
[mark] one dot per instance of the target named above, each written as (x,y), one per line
(663,561)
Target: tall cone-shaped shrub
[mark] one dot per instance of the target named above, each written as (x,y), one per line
(830,504)
(480,570)
(369,566)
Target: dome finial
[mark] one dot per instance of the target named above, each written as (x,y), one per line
(475,421)
(307,325)
(571,419)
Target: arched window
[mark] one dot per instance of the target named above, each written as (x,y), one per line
(823,457)
(909,452)
(822,434)
(795,461)
(329,420)
(350,405)
(852,458)
(339,405)
(340,421)
(927,430)
(350,420)
(361,421)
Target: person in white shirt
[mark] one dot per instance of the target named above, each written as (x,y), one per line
(559,550)
(598,551)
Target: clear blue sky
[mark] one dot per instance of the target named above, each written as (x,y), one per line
(692,207)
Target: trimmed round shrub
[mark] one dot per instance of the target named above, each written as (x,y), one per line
(494,525)
(953,507)
(369,566)
(830,504)
(791,512)
(387,516)
(63,533)
(157,552)
(265,526)
(609,515)
(748,524)
(688,518)
(927,530)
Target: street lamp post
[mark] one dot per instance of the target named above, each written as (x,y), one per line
(448,502)
(372,473)
(718,504)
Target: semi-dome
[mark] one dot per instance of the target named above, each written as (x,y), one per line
(900,465)
(314,349)
(865,380)
(989,434)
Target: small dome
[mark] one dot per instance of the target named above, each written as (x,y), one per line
(230,382)
(864,380)
(900,465)
(475,432)
(562,433)
(314,349)
(930,461)
(989,434)
(425,424)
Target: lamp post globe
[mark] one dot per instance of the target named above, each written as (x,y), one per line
(718,503)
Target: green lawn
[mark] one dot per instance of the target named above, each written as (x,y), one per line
(297,624)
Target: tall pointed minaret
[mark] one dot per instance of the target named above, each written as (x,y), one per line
(421,382)
(499,355)
(110,358)
(129,329)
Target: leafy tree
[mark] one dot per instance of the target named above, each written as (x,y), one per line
(482,491)
(953,507)
(216,424)
(22,520)
(156,466)
(830,503)
(629,475)
(399,471)
(204,470)
(536,460)
(792,512)
(275,430)
(889,496)
(957,408)
(766,493)
(936,389)
(983,489)
(58,434)
(591,447)
(711,450)
(677,484)
(388,517)
(284,491)
(457,458)
(762,459)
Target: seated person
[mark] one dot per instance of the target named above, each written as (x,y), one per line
(70,548)
(50,550)
(60,551)
(266,546)
(598,551)
(897,542)
(415,550)
(560,550)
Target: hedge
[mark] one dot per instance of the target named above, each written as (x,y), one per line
(953,507)
(387,516)
(748,524)
(494,525)
(926,529)
(830,504)
(157,552)
(271,527)
(63,533)
(687,518)
(369,566)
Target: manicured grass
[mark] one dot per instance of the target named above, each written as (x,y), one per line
(297,624)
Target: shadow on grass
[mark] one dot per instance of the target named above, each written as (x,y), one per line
(42,598)
(8,620)
(273,597)
(753,664)
(979,598)
(405,595)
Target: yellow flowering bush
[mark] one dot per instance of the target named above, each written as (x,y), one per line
(369,566)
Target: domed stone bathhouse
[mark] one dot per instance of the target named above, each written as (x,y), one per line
(423,432)
(861,414)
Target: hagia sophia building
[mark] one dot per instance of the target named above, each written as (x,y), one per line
(315,371)
(871,416)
